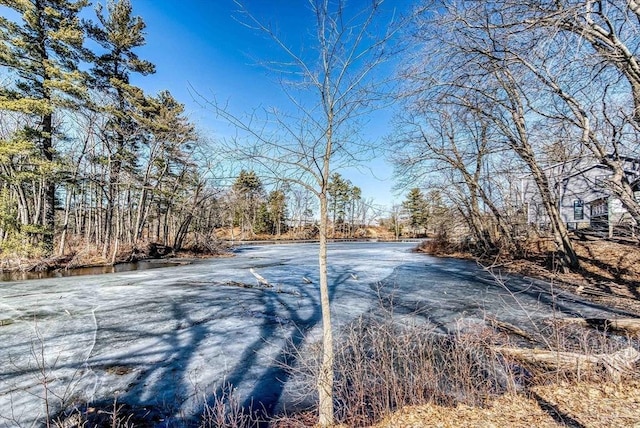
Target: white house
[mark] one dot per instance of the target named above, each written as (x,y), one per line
(580,187)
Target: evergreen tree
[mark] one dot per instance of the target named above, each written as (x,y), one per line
(338,192)
(276,202)
(41,55)
(119,33)
(248,192)
(417,209)
(169,172)
(262,224)
(355,196)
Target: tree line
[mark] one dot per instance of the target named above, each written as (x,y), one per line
(505,89)
(86,156)
(254,211)
(88,159)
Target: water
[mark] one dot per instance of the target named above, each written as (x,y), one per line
(166,338)
(90,270)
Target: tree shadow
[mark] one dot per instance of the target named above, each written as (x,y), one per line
(268,387)
(171,342)
(160,389)
(556,413)
(449,289)
(618,273)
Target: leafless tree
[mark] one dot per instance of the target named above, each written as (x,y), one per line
(302,204)
(583,55)
(455,145)
(610,27)
(332,82)
(465,67)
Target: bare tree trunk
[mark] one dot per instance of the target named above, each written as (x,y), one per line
(519,142)
(140,214)
(65,222)
(23,205)
(325,375)
(128,226)
(182,231)
(108,221)
(49,186)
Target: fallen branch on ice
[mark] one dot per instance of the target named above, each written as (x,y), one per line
(615,363)
(628,325)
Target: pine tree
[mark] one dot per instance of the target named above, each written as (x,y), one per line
(338,191)
(40,54)
(169,173)
(417,209)
(249,192)
(119,33)
(277,211)
(262,223)
(355,196)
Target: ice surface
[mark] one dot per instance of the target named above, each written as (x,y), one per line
(169,338)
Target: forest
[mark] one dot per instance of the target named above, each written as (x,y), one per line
(485,93)
(90,161)
(87,157)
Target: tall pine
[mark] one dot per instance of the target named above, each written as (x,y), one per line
(338,191)
(119,33)
(416,207)
(40,50)
(169,170)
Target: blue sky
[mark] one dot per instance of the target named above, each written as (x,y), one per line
(200,44)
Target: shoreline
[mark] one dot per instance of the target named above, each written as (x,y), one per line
(609,273)
(67,262)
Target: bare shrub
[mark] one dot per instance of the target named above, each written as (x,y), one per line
(563,337)
(385,363)
(437,246)
(115,416)
(226,411)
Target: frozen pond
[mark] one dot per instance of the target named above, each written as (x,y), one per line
(89,270)
(169,338)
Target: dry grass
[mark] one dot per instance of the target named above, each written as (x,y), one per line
(587,404)
(506,411)
(90,255)
(609,273)
(309,232)
(596,404)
